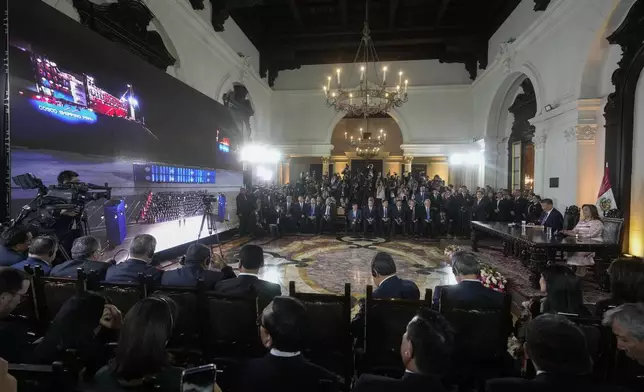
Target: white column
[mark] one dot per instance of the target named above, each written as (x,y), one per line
(540,163)
(586,163)
(568,172)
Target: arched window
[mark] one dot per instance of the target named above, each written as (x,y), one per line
(520,144)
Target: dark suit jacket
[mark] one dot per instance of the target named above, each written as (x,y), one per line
(422,213)
(33,262)
(555,220)
(520,209)
(482,209)
(381,212)
(333,211)
(504,206)
(69,269)
(8,257)
(285,374)
(396,214)
(128,272)
(412,214)
(189,274)
(242,285)
(548,382)
(534,212)
(14,341)
(307,211)
(421,198)
(373,214)
(410,382)
(350,216)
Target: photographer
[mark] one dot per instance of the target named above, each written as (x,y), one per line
(67,227)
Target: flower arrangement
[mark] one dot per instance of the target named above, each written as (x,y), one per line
(491,278)
(450,250)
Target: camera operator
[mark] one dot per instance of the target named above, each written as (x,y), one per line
(14,244)
(67,227)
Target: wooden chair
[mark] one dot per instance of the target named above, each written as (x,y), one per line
(613,233)
(329,342)
(35,378)
(121,295)
(385,322)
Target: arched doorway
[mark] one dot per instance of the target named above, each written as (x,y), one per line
(389,158)
(520,143)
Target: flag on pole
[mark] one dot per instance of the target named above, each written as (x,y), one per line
(605,198)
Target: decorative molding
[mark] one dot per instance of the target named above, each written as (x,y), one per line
(586,132)
(570,134)
(540,142)
(541,5)
(408,159)
(126,22)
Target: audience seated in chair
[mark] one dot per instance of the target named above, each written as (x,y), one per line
(42,252)
(590,226)
(563,291)
(251,259)
(558,350)
(282,325)
(86,254)
(14,338)
(14,244)
(354,218)
(425,350)
(551,217)
(141,253)
(197,264)
(626,284)
(85,323)
(327,219)
(389,285)
(370,217)
(627,322)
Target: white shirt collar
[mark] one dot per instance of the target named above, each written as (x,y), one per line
(284,354)
(383,281)
(137,259)
(247,273)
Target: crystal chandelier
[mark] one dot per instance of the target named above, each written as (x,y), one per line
(367,146)
(370,97)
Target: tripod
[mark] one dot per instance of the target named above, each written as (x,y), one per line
(209,219)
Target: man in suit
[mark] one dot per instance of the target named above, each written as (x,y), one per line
(482,207)
(354,218)
(299,213)
(388,285)
(327,220)
(436,207)
(312,212)
(290,216)
(427,220)
(385,218)
(140,262)
(244,208)
(534,209)
(412,220)
(422,194)
(398,216)
(14,335)
(560,355)
(42,253)
(626,322)
(425,350)
(251,259)
(281,328)
(370,217)
(551,217)
(197,264)
(15,242)
(86,254)
(520,208)
(503,207)
(451,211)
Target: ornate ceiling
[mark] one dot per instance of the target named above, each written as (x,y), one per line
(292,33)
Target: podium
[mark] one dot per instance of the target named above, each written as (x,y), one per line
(221,208)
(115,225)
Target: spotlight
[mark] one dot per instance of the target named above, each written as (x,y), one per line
(548,107)
(260,154)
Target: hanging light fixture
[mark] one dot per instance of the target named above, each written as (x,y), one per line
(366,144)
(373,95)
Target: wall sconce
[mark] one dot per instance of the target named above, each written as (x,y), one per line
(548,107)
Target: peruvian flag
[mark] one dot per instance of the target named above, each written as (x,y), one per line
(605,198)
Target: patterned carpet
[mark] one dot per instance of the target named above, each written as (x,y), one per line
(323,264)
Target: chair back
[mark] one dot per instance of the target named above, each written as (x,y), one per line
(328,342)
(122,295)
(613,228)
(601,345)
(31,377)
(232,326)
(385,323)
(188,325)
(571,217)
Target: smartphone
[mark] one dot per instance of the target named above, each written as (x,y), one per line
(199,379)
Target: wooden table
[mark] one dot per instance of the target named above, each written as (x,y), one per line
(536,249)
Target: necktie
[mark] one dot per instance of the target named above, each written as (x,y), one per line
(384,210)
(312,210)
(428,214)
(327,210)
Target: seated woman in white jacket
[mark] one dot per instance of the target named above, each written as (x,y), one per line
(590,226)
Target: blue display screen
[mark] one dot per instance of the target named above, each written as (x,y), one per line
(173,174)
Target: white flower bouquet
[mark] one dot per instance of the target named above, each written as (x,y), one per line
(491,278)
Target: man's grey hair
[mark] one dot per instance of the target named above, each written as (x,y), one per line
(629,316)
(143,245)
(465,263)
(83,247)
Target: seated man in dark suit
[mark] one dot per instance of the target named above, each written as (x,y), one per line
(86,254)
(551,217)
(398,216)
(354,218)
(412,220)
(14,244)
(14,338)
(426,223)
(198,262)
(385,218)
(560,355)
(251,259)
(370,217)
(425,350)
(388,285)
(327,220)
(140,261)
(312,212)
(42,253)
(282,325)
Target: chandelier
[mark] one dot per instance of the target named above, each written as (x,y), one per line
(371,96)
(367,146)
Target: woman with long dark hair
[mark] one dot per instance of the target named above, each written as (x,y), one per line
(626,284)
(85,323)
(141,360)
(563,291)
(589,226)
